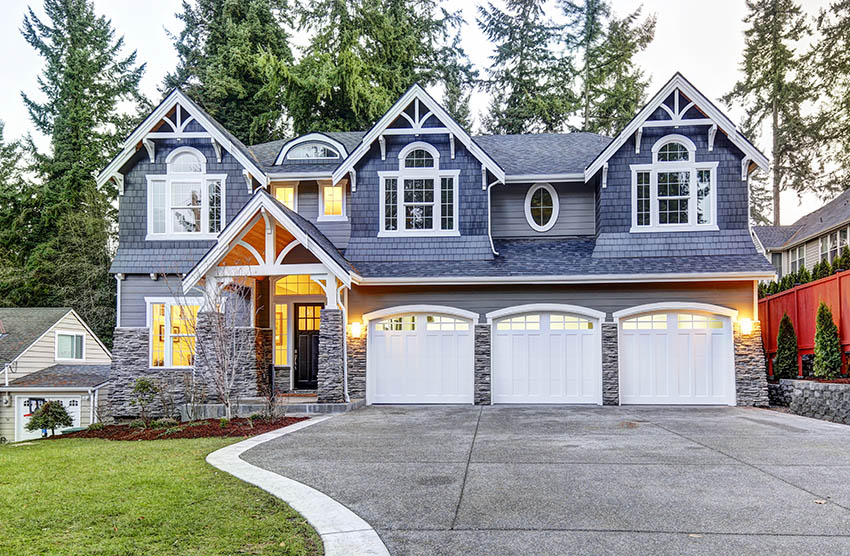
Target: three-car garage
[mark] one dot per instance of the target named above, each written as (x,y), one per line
(674,354)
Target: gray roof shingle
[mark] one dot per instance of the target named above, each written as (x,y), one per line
(23,326)
(774,237)
(64,376)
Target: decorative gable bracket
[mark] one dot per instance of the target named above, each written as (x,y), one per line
(352,177)
(151,148)
(382,141)
(605,175)
(712,132)
(638,137)
(217,148)
(118,178)
(745,168)
(452,145)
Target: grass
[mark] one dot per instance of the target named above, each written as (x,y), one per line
(99,497)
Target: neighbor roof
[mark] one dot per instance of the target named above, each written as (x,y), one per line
(831,215)
(24,326)
(64,376)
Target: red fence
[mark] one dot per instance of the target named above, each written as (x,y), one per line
(801,303)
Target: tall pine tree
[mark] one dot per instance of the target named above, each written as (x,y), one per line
(219,52)
(526,86)
(610,88)
(84,79)
(773,92)
(831,58)
(16,237)
(363,55)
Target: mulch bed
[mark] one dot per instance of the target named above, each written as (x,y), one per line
(192,429)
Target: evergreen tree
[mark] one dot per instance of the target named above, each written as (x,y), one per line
(610,88)
(51,415)
(775,86)
(526,81)
(458,79)
(827,345)
(830,57)
(785,364)
(15,237)
(84,79)
(845,257)
(803,276)
(362,56)
(219,51)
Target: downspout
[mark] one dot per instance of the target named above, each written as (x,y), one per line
(490,219)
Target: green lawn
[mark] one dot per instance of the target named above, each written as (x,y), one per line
(98,497)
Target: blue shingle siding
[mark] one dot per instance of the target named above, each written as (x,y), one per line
(137,255)
(471,210)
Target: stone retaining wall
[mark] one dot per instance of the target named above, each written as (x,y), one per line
(821,400)
(780,392)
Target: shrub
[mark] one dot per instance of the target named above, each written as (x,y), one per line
(845,257)
(137,424)
(827,345)
(144,392)
(821,270)
(803,276)
(96,426)
(785,365)
(51,415)
(164,423)
(223,422)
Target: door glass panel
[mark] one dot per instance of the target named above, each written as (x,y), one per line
(687,321)
(646,322)
(281,334)
(308,317)
(568,322)
(407,323)
(520,322)
(438,322)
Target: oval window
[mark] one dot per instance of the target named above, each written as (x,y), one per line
(541,207)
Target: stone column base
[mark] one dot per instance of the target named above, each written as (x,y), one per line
(331,369)
(483,390)
(357,366)
(610,364)
(750,367)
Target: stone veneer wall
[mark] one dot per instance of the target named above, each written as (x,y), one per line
(281,378)
(330,375)
(779,393)
(483,389)
(610,364)
(253,359)
(750,367)
(821,400)
(357,366)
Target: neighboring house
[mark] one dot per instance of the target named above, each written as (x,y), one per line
(817,236)
(414,263)
(48,353)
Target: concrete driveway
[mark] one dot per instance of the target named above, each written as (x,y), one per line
(568,480)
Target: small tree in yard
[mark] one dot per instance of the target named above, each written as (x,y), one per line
(827,345)
(785,365)
(144,393)
(51,415)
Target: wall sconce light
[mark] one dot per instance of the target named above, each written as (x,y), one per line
(746,326)
(355,329)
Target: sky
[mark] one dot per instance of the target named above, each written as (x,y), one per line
(702,39)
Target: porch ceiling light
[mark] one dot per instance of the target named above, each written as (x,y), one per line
(746,326)
(355,329)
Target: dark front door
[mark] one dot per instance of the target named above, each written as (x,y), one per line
(307,345)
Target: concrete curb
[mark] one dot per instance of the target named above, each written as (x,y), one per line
(343,532)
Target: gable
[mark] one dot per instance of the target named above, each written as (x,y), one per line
(680,104)
(417,113)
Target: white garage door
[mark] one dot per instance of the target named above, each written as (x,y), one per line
(676,358)
(546,358)
(26,405)
(420,358)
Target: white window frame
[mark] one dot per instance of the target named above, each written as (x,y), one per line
(170,177)
(556,202)
(294,148)
(74,334)
(797,256)
(690,166)
(419,173)
(294,186)
(169,302)
(322,217)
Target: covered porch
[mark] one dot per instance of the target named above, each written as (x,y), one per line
(299,286)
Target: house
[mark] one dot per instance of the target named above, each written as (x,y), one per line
(415,263)
(48,353)
(817,236)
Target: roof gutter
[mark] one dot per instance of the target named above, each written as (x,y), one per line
(525,178)
(53,388)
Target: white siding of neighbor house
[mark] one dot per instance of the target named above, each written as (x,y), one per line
(812,253)
(7,412)
(42,353)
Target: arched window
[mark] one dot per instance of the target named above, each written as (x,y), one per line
(420,198)
(675,192)
(186,202)
(312,151)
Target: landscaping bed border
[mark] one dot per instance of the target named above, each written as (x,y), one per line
(828,401)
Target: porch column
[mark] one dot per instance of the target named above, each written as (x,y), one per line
(331,357)
(750,368)
(610,365)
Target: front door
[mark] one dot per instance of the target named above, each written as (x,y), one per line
(307,345)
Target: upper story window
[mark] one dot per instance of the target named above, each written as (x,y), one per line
(286,193)
(331,201)
(797,258)
(832,244)
(186,202)
(674,193)
(419,199)
(541,206)
(70,346)
(312,151)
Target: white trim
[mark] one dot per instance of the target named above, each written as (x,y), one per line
(80,389)
(185,177)
(545,308)
(322,217)
(342,531)
(167,355)
(566,279)
(436,309)
(295,176)
(285,251)
(176,98)
(434,174)
(532,178)
(284,184)
(556,207)
(61,332)
(432,150)
(715,116)
(311,138)
(675,306)
(186,149)
(674,138)
(262,199)
(418,94)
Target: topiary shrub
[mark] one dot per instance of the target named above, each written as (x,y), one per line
(804,276)
(785,365)
(827,345)
(821,270)
(51,415)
